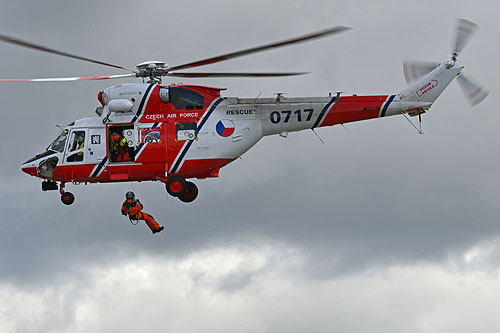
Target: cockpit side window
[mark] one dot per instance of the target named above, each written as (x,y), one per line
(59,143)
(77,142)
(182,98)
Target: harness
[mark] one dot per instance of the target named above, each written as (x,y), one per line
(132,217)
(132,221)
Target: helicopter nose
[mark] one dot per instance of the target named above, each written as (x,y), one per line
(32,166)
(29,168)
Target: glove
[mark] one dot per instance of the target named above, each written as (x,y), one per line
(123,213)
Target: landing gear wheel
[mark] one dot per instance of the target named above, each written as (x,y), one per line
(190,194)
(176,186)
(67,198)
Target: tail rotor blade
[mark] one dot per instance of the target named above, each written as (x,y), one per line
(474,92)
(463,32)
(414,70)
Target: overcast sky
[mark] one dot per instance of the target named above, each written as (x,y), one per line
(377,230)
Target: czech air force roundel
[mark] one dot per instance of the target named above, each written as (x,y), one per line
(225,128)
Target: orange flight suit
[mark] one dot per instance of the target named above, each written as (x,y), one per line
(134,210)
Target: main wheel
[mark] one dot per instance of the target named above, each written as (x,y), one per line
(176,186)
(190,194)
(67,198)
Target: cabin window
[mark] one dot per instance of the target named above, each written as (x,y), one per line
(186,131)
(182,98)
(149,134)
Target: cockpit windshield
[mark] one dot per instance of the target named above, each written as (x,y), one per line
(59,143)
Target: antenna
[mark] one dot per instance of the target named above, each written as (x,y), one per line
(323,142)
(256,98)
(346,129)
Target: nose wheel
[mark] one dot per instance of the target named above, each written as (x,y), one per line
(67,198)
(178,187)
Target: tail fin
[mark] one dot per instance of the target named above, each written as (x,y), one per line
(431,86)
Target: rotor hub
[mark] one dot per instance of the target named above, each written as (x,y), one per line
(154,70)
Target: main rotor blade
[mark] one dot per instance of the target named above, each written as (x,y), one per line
(216,74)
(464,30)
(474,92)
(20,42)
(414,70)
(300,39)
(66,79)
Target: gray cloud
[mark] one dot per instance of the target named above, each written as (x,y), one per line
(185,294)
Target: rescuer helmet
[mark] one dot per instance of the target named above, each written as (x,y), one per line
(130,195)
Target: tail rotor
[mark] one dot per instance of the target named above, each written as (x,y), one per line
(474,92)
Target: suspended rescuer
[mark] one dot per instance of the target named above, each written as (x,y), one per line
(133,208)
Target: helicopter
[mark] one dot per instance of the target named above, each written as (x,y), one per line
(178,132)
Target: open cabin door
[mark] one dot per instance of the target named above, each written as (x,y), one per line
(121,142)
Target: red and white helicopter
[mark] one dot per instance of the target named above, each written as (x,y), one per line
(178,132)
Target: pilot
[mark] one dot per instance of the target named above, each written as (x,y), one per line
(133,208)
(80,143)
(119,149)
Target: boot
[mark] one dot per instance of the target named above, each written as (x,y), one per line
(158,230)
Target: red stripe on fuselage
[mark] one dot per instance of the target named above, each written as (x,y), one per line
(133,172)
(354,108)
(202,168)
(112,173)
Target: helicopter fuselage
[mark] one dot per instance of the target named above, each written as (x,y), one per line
(186,131)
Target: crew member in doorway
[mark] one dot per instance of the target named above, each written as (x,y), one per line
(119,148)
(133,208)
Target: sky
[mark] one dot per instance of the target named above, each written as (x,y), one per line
(378,229)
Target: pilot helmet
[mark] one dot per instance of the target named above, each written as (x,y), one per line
(130,195)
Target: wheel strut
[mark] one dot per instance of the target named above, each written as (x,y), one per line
(67,198)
